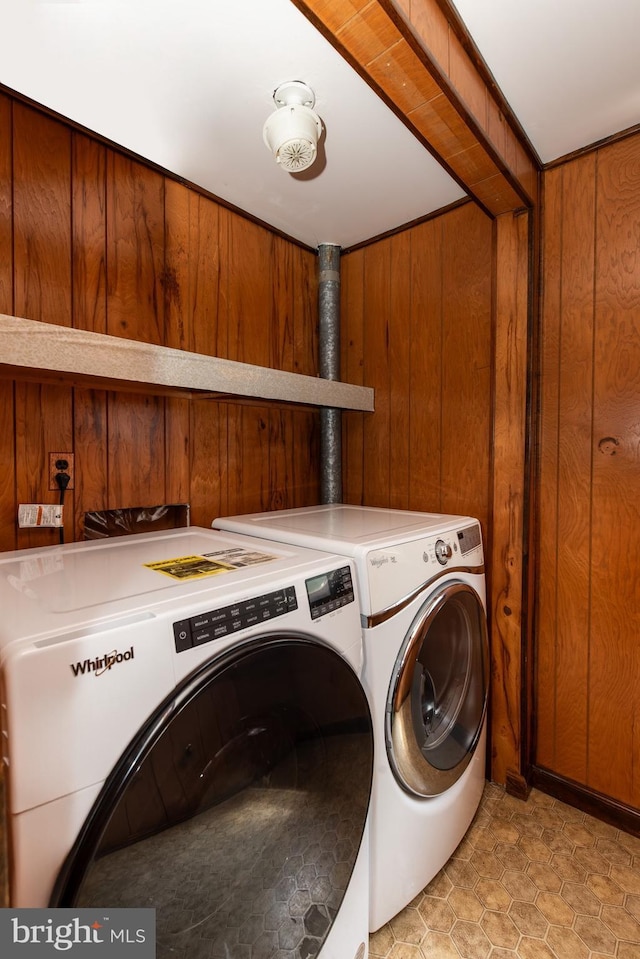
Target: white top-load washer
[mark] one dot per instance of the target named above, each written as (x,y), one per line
(422,593)
(183,726)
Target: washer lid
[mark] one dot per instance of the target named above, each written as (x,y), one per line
(339,527)
(65,587)
(394,549)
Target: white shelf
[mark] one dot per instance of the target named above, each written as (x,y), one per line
(29,347)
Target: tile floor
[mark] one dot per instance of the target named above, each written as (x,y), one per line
(534,880)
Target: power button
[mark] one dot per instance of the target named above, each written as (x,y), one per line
(182,634)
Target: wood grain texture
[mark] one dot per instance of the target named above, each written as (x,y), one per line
(91,450)
(41,217)
(135,423)
(43,424)
(408,53)
(107,245)
(6,207)
(614,655)
(511,271)
(425,370)
(417,309)
(8,529)
(547,521)
(191,270)
(246,274)
(209,474)
(466,364)
(88,234)
(378,429)
(135,250)
(574,469)
(304,266)
(352,366)
(399,363)
(588,661)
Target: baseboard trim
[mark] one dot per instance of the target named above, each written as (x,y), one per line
(596,804)
(516,785)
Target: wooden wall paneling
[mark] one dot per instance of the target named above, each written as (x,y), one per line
(377,429)
(250,293)
(304,444)
(293,460)
(8,529)
(226,312)
(90,445)
(248,459)
(614,689)
(505,556)
(209,474)
(8,505)
(43,424)
(241,310)
(176,274)
(352,371)
(305,311)
(283,291)
(399,364)
(424,383)
(6,206)
(246,315)
(466,363)
(191,270)
(136,450)
(280,458)
(41,217)
(177,449)
(89,236)
(204,269)
(546,638)
(574,469)
(135,250)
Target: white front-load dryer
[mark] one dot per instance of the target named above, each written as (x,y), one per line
(184,728)
(422,592)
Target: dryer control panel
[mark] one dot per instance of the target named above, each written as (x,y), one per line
(217,623)
(330,591)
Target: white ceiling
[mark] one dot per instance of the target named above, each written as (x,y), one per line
(570,69)
(188,85)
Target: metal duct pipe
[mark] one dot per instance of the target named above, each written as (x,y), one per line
(329,363)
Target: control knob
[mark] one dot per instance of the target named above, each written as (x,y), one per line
(443,552)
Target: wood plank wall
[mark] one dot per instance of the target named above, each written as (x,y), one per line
(93,239)
(417,326)
(588,618)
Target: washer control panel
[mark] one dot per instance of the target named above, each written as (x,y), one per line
(330,591)
(217,623)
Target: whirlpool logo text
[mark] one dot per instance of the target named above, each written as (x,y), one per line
(101,664)
(83,932)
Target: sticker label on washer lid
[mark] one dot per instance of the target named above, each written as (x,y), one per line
(183,568)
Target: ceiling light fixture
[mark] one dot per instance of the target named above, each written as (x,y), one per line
(291,133)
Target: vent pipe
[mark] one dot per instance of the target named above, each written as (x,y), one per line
(329,364)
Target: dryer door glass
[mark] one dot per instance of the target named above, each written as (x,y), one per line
(438,695)
(239,810)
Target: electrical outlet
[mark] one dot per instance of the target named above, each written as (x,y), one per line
(57,463)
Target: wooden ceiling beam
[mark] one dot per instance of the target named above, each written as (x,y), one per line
(411,53)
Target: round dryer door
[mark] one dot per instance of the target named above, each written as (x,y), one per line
(438,693)
(237,812)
